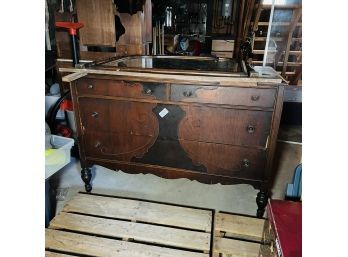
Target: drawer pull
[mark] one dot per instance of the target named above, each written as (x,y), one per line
(97,145)
(90,86)
(251,129)
(245,163)
(255,97)
(187,93)
(95,115)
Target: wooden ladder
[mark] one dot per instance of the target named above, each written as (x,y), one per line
(287,58)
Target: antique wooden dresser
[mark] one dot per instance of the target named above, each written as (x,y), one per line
(199,118)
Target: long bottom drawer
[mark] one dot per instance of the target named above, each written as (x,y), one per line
(209,158)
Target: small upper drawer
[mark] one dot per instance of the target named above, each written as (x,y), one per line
(258,97)
(105,87)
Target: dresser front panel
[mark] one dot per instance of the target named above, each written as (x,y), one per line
(236,96)
(225,126)
(119,88)
(217,159)
(127,117)
(117,130)
(227,160)
(209,130)
(116,146)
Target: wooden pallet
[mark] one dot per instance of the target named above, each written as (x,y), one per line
(101,225)
(237,236)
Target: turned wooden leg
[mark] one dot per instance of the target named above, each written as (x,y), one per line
(261,201)
(86,176)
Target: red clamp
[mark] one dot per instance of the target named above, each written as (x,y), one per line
(72,26)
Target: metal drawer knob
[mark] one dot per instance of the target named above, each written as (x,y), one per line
(251,129)
(90,86)
(187,93)
(255,97)
(245,163)
(95,115)
(97,145)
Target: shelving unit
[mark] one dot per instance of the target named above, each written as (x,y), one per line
(286,36)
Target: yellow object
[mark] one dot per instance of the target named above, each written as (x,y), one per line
(170,49)
(55,157)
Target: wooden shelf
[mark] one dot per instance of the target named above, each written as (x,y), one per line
(292,64)
(263,51)
(281,6)
(261,23)
(274,51)
(277,39)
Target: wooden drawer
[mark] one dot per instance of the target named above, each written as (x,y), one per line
(238,96)
(225,126)
(103,115)
(120,146)
(104,87)
(194,123)
(227,160)
(215,159)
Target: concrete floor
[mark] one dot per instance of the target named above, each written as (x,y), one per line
(231,198)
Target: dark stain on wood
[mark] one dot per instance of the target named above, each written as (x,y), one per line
(167,150)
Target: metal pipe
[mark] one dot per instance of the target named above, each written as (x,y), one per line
(268,34)
(154,41)
(74,53)
(163,39)
(239,29)
(159,37)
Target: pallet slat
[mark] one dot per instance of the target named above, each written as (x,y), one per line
(235,248)
(53,254)
(137,231)
(102,247)
(142,211)
(240,226)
